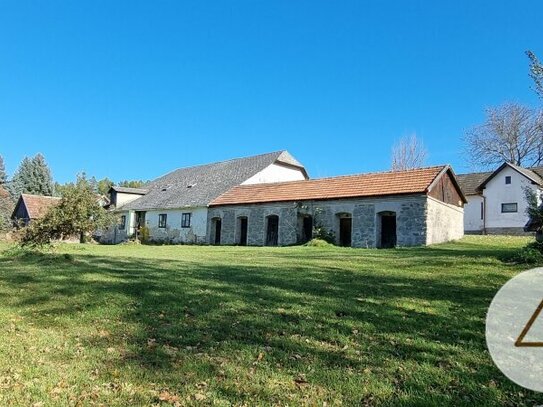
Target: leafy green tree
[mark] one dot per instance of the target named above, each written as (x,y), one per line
(32,177)
(77,214)
(536,73)
(3,175)
(6,208)
(100,187)
(103,186)
(6,203)
(132,184)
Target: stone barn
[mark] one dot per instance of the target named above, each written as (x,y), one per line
(406,208)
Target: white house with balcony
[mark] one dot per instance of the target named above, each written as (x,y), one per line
(496,201)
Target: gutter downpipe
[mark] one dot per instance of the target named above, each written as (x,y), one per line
(484,214)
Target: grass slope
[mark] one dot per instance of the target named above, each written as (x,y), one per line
(137,325)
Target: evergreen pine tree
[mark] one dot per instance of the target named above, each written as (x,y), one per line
(32,177)
(43,181)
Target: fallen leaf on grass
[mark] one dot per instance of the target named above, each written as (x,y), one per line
(300,380)
(259,358)
(200,396)
(168,397)
(104,334)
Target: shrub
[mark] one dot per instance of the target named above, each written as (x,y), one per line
(532,253)
(318,243)
(78,214)
(321,233)
(144,234)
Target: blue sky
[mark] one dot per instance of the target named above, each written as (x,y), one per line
(131,90)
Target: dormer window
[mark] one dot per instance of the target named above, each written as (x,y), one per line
(508,179)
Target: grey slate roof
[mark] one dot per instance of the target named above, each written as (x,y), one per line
(127,190)
(199,185)
(538,171)
(471,183)
(529,173)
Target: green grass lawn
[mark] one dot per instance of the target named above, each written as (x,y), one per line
(141,325)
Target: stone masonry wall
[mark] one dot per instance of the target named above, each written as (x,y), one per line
(411,219)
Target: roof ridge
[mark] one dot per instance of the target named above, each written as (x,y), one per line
(226,161)
(214,163)
(475,173)
(416,181)
(41,196)
(348,176)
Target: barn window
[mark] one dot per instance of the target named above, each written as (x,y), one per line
(122,222)
(162,220)
(508,179)
(509,207)
(185,220)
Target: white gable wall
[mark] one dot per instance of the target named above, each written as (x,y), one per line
(123,198)
(473,222)
(276,173)
(497,192)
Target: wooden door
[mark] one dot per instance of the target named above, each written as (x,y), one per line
(243,231)
(345,227)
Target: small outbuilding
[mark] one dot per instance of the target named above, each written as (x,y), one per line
(31,207)
(404,208)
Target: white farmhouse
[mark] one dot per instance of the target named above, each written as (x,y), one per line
(496,201)
(174,207)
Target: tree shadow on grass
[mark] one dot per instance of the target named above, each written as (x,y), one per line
(320,322)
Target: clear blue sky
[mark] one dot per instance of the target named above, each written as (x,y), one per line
(130,89)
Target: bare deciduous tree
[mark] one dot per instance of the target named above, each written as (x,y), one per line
(536,73)
(408,153)
(511,133)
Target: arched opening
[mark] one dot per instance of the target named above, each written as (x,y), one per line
(242,224)
(305,228)
(387,227)
(216,226)
(272,230)
(345,229)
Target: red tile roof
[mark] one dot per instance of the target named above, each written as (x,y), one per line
(37,205)
(349,186)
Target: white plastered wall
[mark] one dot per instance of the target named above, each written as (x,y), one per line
(276,173)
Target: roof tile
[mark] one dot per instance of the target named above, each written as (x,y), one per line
(199,185)
(349,186)
(37,205)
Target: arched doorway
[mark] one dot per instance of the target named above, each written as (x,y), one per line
(387,226)
(345,229)
(307,229)
(216,226)
(272,230)
(242,231)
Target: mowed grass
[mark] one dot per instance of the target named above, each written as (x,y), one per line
(186,325)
